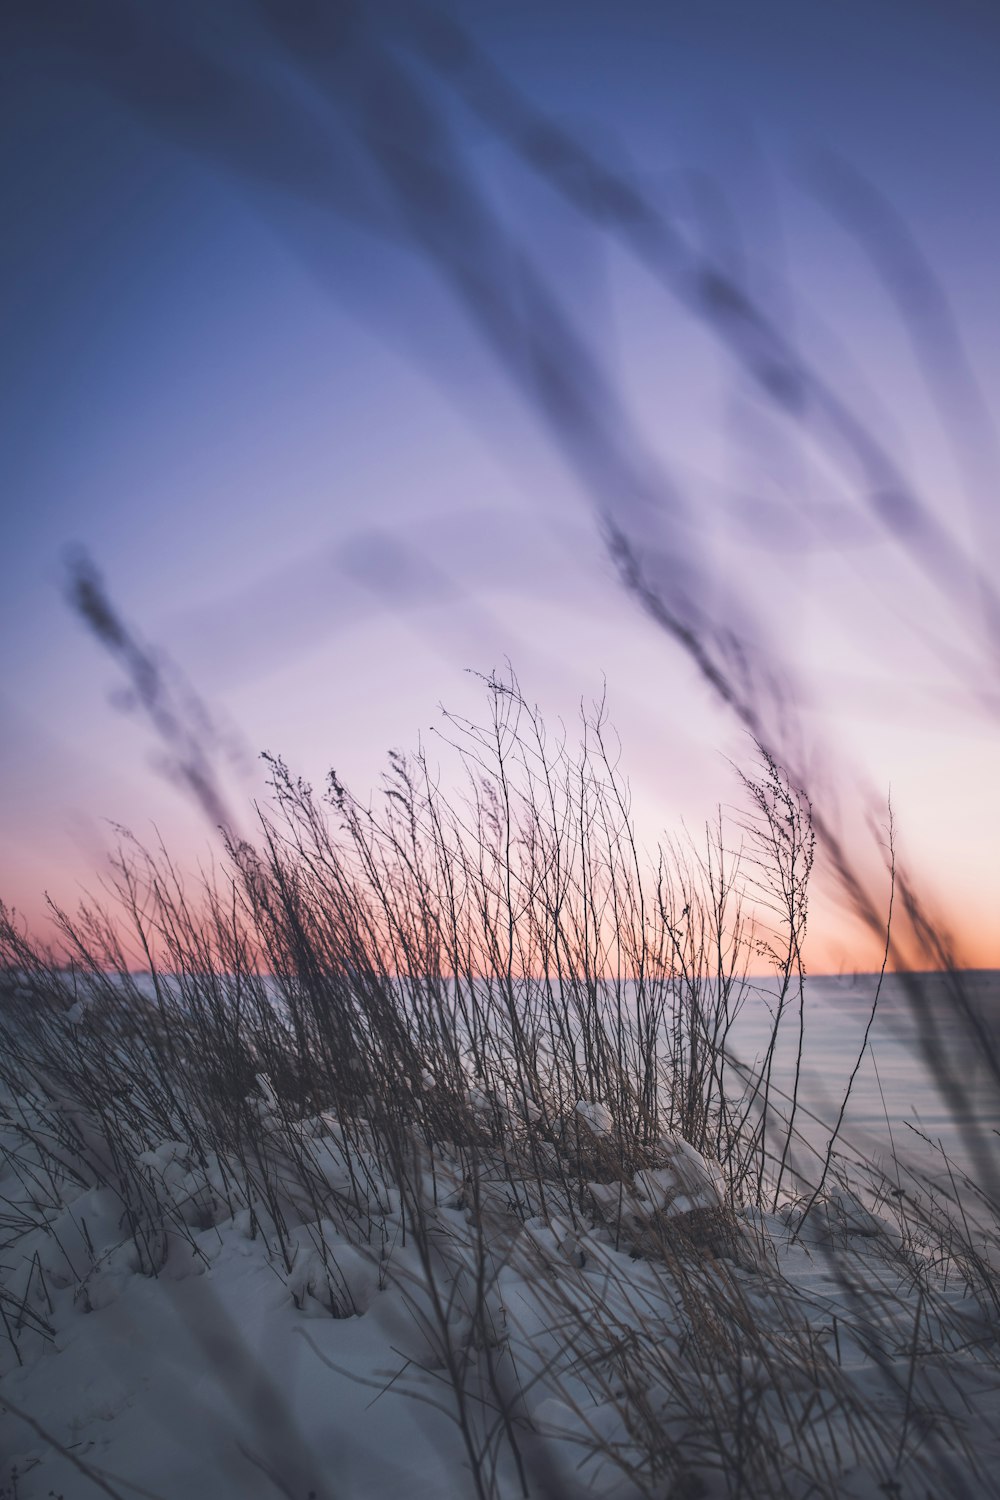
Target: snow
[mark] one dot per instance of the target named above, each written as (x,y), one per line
(597,1117)
(313,1333)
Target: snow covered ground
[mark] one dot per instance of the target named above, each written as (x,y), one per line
(338,1308)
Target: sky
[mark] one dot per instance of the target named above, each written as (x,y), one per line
(289,394)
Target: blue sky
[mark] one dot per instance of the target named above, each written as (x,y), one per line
(305,476)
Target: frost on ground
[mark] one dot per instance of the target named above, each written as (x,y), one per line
(233,1298)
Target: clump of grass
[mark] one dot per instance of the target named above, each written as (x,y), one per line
(481,1041)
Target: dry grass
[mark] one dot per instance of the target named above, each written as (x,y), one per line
(455,1033)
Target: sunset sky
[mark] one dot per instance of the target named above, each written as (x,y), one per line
(234,379)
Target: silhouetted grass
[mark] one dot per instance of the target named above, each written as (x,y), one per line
(479,1040)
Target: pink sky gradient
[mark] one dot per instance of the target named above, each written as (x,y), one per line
(306,480)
